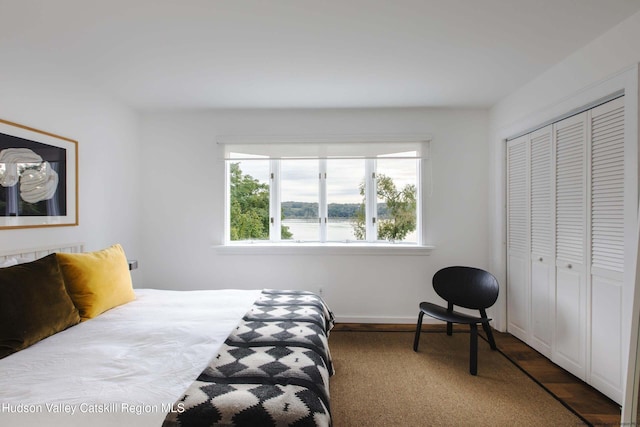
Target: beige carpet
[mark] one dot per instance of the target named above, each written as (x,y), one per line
(381,381)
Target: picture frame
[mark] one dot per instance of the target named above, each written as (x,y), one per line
(38,178)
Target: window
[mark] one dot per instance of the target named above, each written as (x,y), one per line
(324,192)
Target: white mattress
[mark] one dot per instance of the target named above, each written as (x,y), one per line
(128,365)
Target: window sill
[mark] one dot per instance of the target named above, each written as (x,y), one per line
(259,248)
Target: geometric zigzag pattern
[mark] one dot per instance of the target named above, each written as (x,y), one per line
(273,370)
(292,333)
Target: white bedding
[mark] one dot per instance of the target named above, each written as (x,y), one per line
(128,364)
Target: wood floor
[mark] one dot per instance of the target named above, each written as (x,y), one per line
(590,405)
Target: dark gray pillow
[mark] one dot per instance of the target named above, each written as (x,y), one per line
(34,304)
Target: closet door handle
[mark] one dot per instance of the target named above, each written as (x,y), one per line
(569,266)
(540,259)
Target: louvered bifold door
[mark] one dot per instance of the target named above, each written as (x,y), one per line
(607,187)
(542,240)
(607,246)
(571,208)
(518,245)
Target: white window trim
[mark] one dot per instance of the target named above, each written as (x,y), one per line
(371,207)
(278,247)
(316,248)
(275,224)
(323,200)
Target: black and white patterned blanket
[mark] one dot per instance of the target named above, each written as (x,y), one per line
(273,370)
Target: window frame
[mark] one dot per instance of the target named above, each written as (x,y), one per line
(275,245)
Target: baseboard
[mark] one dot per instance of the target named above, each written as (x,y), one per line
(384,319)
(395,327)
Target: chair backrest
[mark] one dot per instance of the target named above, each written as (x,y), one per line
(467,287)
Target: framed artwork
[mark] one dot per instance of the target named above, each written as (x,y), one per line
(38,178)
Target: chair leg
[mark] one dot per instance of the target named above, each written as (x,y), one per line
(487,330)
(418,329)
(449,328)
(473,352)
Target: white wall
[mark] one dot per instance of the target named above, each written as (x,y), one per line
(607,55)
(43,97)
(182,198)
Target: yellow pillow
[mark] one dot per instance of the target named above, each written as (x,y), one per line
(97,281)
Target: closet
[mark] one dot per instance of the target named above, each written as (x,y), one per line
(565,243)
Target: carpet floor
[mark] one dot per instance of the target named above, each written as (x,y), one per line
(381,381)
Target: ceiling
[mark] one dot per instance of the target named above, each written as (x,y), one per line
(168,54)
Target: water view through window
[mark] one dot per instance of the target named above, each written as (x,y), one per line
(306,230)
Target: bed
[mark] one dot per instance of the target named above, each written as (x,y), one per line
(173,358)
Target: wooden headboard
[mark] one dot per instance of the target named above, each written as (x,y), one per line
(35,253)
